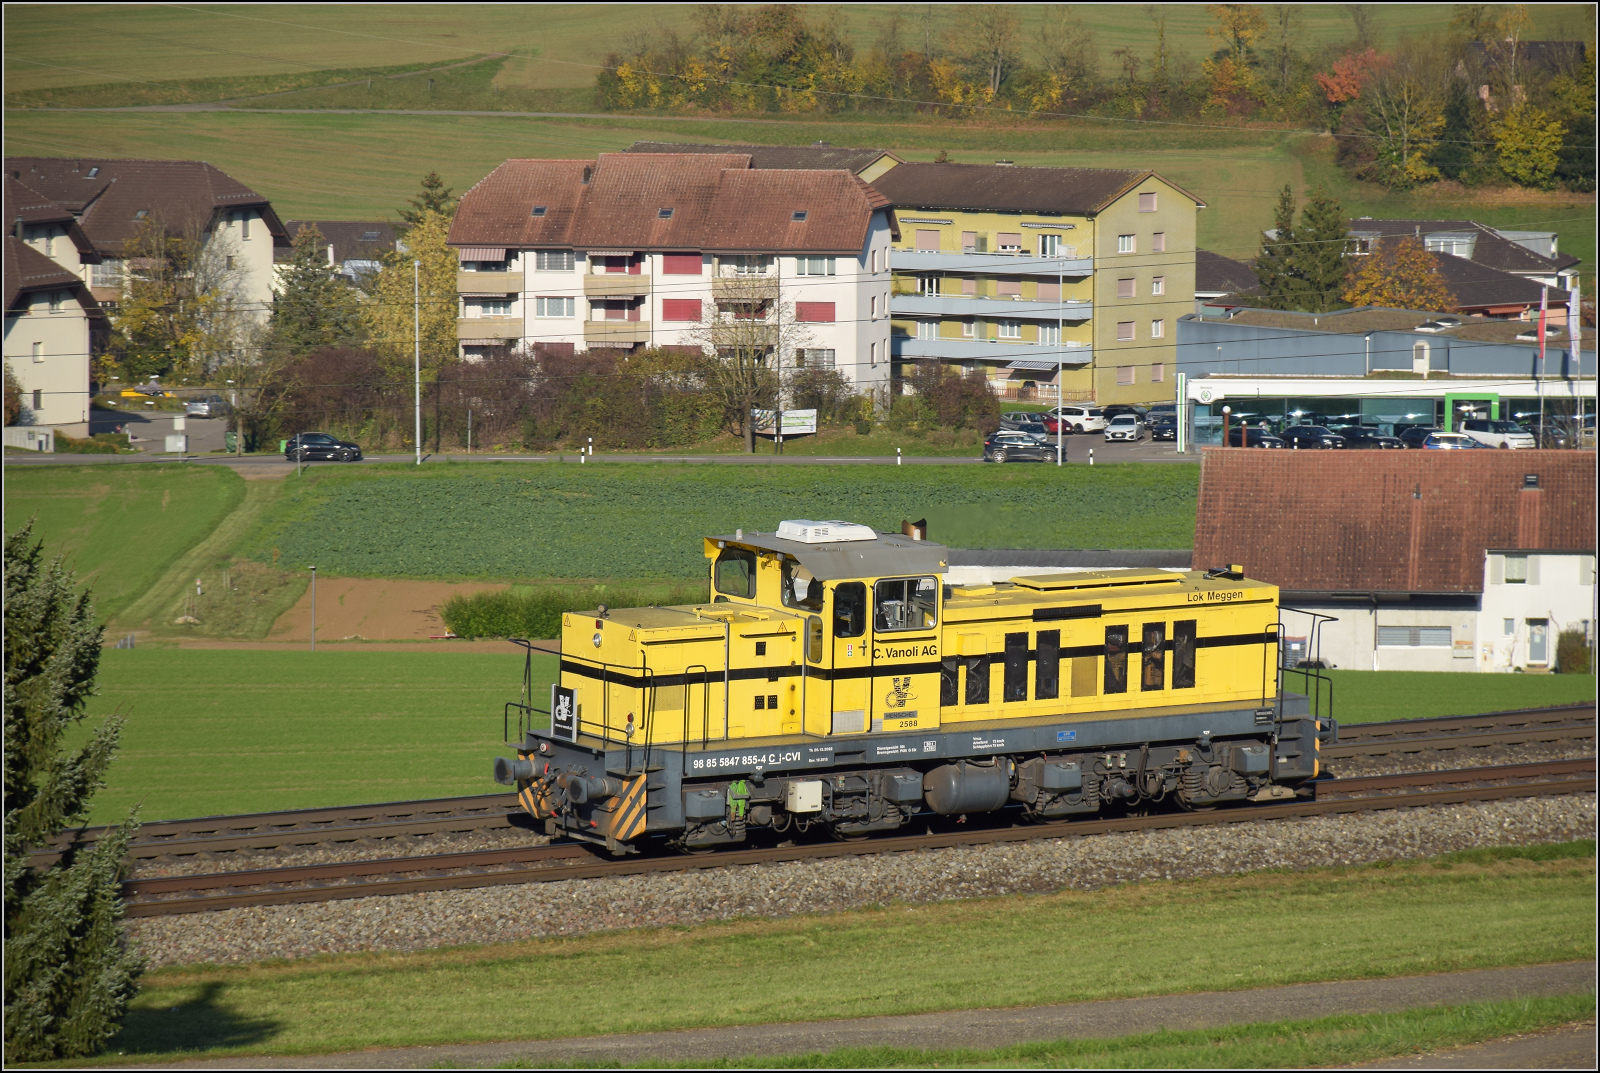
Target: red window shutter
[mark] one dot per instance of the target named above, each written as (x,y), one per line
(681,308)
(681,264)
(814,312)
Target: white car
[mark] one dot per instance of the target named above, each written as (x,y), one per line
(1499,434)
(1081,418)
(1125,427)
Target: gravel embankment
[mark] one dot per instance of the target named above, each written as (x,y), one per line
(574,907)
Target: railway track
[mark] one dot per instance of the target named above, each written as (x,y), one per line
(1528,726)
(537,864)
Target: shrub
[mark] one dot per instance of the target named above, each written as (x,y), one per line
(537,613)
(1573,653)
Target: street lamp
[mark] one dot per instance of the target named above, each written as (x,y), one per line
(1226,412)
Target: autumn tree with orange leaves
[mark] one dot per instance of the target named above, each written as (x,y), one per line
(1399,274)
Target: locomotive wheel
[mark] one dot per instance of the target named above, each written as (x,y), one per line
(842,836)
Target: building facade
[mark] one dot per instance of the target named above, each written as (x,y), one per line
(51,322)
(1021,271)
(640,250)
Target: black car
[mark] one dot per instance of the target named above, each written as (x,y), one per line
(1370,439)
(1307,437)
(1164,428)
(1413,436)
(311,446)
(1112,411)
(1010,446)
(1253,437)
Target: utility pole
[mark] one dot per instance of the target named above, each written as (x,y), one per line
(313,609)
(416,325)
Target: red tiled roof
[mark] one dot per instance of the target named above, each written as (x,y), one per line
(1381,521)
(717,203)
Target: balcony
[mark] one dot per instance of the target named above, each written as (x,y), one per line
(488,282)
(615,285)
(988,350)
(752,288)
(496,328)
(615,332)
(956,305)
(988,264)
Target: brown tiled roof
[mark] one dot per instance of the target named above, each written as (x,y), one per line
(29,271)
(31,207)
(185,194)
(1477,286)
(1005,188)
(1492,248)
(718,203)
(818,157)
(1216,274)
(348,238)
(1381,521)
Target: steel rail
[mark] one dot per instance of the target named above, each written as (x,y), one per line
(534,865)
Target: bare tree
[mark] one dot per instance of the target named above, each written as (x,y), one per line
(1361,16)
(1066,46)
(745,337)
(991,39)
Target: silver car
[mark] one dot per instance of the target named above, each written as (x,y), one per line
(1125,427)
(206,406)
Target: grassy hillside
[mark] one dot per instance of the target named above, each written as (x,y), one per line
(646,521)
(121,527)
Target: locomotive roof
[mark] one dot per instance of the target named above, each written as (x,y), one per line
(885,555)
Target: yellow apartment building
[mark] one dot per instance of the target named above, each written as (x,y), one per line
(1024,271)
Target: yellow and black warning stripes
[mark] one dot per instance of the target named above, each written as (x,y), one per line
(628,812)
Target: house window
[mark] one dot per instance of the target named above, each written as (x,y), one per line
(663,214)
(1050,334)
(1158,242)
(873,306)
(814,359)
(969,329)
(1009,329)
(1125,375)
(927,329)
(1158,329)
(798,216)
(874,355)
(928,240)
(1124,330)
(244,225)
(1510,627)
(1010,242)
(1158,285)
(1158,373)
(50,243)
(1125,244)
(107,273)
(928,285)
(38,352)
(553,261)
(1516,569)
(1147,203)
(680,264)
(557,307)
(972,242)
(752,265)
(1419,357)
(1125,288)
(816,266)
(230,262)
(1049,245)
(38,400)
(493,307)
(57,300)
(681,309)
(1413,636)
(815,312)
(1008,288)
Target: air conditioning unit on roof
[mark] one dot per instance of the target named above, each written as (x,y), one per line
(809,532)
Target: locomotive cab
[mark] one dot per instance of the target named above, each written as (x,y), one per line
(834,678)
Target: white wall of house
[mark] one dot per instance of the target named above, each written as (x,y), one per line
(1392,638)
(246,239)
(47,348)
(53,241)
(1529,598)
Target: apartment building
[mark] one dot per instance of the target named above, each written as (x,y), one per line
(640,250)
(355,247)
(50,322)
(1021,271)
(108,202)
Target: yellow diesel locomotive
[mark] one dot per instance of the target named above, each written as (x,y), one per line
(834,678)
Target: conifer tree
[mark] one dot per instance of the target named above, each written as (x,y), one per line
(1274,262)
(312,307)
(1320,244)
(434,197)
(69,972)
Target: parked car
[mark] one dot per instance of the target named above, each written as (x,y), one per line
(1037,429)
(1307,437)
(1506,434)
(1108,412)
(1164,427)
(1554,431)
(146,391)
(311,446)
(1018,417)
(1359,437)
(1449,441)
(206,406)
(1082,418)
(1008,445)
(1125,426)
(1412,437)
(1253,437)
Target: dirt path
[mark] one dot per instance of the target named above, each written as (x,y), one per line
(373,609)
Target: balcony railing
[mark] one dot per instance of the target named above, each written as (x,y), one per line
(955,305)
(902,346)
(616,332)
(488,282)
(989,264)
(615,284)
(489,328)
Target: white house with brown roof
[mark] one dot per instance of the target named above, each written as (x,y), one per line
(638,250)
(50,321)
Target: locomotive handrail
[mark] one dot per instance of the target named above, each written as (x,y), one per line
(523,710)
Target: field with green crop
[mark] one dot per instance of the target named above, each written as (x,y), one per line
(214,731)
(1472,910)
(120,527)
(646,521)
(1375,696)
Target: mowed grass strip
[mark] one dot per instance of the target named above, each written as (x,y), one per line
(646,520)
(214,731)
(120,526)
(1228,933)
(1272,1045)
(1377,696)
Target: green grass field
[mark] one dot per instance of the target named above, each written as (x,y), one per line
(1375,696)
(120,527)
(1526,906)
(646,520)
(214,731)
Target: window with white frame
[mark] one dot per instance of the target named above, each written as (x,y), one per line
(1516,569)
(489,307)
(873,302)
(819,266)
(746,265)
(1158,373)
(1158,242)
(928,285)
(969,329)
(58,301)
(874,352)
(1124,330)
(553,261)
(244,225)
(810,358)
(1050,334)
(1049,245)
(1158,285)
(1126,244)
(555,307)
(1158,329)
(108,273)
(1008,329)
(38,352)
(1125,375)
(927,329)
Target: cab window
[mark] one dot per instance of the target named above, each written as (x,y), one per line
(906,604)
(801,589)
(850,609)
(736,573)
